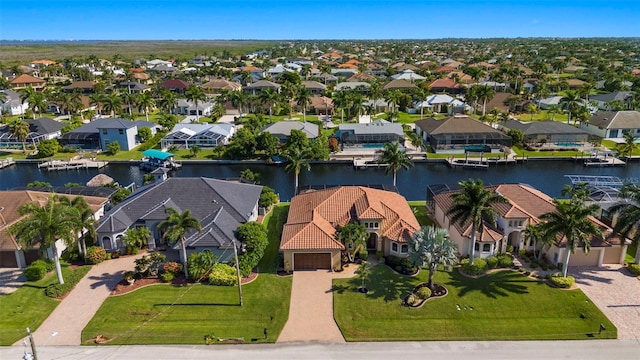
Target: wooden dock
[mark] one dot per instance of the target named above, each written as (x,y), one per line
(602,161)
(6,162)
(53,165)
(364,164)
(468,163)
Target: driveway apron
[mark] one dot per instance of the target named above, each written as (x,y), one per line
(64,325)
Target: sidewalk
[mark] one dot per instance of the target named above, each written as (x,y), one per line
(77,309)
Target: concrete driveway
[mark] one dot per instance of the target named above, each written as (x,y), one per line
(311,308)
(616,292)
(10,280)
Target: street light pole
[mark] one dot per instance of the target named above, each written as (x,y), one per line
(33,345)
(235,254)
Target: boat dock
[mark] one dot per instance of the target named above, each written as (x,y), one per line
(52,165)
(603,161)
(6,162)
(483,163)
(363,164)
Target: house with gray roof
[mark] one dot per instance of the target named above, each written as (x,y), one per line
(375,132)
(612,125)
(460,133)
(12,104)
(256,87)
(186,135)
(548,132)
(220,206)
(282,129)
(361,86)
(604,100)
(98,134)
(39,129)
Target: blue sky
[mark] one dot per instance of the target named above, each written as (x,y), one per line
(314,19)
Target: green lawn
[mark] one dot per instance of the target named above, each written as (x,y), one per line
(506,306)
(165,314)
(520,151)
(611,145)
(420,211)
(631,253)
(28,307)
(542,115)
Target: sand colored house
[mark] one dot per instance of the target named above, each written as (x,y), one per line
(24,81)
(309,235)
(525,206)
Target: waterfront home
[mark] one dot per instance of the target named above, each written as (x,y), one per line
(13,254)
(187,108)
(100,132)
(550,133)
(442,103)
(377,132)
(39,129)
(603,101)
(282,129)
(525,206)
(186,135)
(612,125)
(460,133)
(220,206)
(309,235)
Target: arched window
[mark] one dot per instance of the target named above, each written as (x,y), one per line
(106,243)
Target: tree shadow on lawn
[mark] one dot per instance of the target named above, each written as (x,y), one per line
(385,283)
(501,283)
(198,304)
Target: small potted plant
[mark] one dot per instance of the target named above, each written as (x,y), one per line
(129,277)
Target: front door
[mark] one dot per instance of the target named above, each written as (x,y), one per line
(372,242)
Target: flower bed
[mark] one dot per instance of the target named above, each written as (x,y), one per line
(438,291)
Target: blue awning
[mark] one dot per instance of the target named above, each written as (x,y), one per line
(157,154)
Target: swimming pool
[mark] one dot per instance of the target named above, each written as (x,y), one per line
(568,144)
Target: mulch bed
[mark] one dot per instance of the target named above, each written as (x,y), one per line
(123,286)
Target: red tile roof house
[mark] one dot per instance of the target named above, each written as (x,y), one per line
(309,236)
(446,85)
(525,206)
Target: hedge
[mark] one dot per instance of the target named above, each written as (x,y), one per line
(479,266)
(96,255)
(60,290)
(223,275)
(35,271)
(562,282)
(635,269)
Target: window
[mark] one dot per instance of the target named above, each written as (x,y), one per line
(394,247)
(405,248)
(104,131)
(120,131)
(486,247)
(510,223)
(477,247)
(376,225)
(520,222)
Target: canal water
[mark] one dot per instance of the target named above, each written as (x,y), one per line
(547,176)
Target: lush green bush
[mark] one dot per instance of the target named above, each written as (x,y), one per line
(401,265)
(423,293)
(167,276)
(534,265)
(172,267)
(48,264)
(150,264)
(634,269)
(544,266)
(151,143)
(200,264)
(380,256)
(562,282)
(223,275)
(268,197)
(253,235)
(96,255)
(479,266)
(35,271)
(522,252)
(492,262)
(505,260)
(70,281)
(48,147)
(363,254)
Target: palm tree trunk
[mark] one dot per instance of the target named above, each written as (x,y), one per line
(472,252)
(198,112)
(184,258)
(637,261)
(295,190)
(394,178)
(484,106)
(566,262)
(146,113)
(430,282)
(270,115)
(304,113)
(56,260)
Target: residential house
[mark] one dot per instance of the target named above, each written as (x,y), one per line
(551,133)
(175,85)
(282,129)
(525,206)
(408,75)
(400,84)
(447,86)
(83,87)
(549,102)
(202,135)
(362,77)
(500,101)
(309,236)
(256,87)
(328,78)
(13,105)
(344,73)
(187,108)
(377,132)
(362,87)
(314,87)
(603,101)
(321,105)
(13,254)
(459,134)
(24,81)
(220,206)
(131,86)
(612,125)
(443,104)
(99,133)
(39,129)
(215,86)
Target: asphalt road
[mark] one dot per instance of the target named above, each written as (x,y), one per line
(495,350)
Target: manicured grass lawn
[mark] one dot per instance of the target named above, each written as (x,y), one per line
(542,115)
(613,146)
(520,151)
(631,253)
(506,306)
(420,211)
(28,307)
(274,221)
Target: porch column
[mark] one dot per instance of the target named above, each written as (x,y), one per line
(623,252)
(601,257)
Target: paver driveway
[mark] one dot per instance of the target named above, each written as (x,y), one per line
(616,292)
(311,310)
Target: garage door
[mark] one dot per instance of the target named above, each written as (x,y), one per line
(8,259)
(580,259)
(312,261)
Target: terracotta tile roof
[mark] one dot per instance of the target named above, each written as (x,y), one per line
(313,216)
(444,69)
(251,68)
(445,83)
(348,66)
(43,62)
(26,79)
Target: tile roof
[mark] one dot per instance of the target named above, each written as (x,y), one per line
(399,84)
(445,83)
(315,215)
(26,79)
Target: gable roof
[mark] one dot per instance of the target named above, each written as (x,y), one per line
(456,125)
(399,84)
(221,84)
(546,127)
(445,83)
(315,215)
(284,128)
(175,84)
(616,119)
(263,84)
(26,79)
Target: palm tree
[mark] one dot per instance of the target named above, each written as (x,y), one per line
(354,236)
(303,98)
(534,233)
(393,98)
(37,101)
(175,227)
(629,145)
(341,100)
(167,100)
(86,225)
(145,101)
(395,159)
(571,101)
(484,93)
(628,215)
(47,224)
(97,100)
(297,159)
(112,103)
(20,129)
(129,99)
(195,94)
(474,204)
(269,97)
(430,246)
(239,99)
(571,221)
(421,95)
(375,93)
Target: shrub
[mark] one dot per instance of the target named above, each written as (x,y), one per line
(172,267)
(479,267)
(423,293)
(115,254)
(254,237)
(268,197)
(379,256)
(95,255)
(544,266)
(70,255)
(128,275)
(48,264)
(534,265)
(60,290)
(492,262)
(200,264)
(505,260)
(510,248)
(412,300)
(363,254)
(35,271)
(149,264)
(167,276)
(223,275)
(634,269)
(522,252)
(562,282)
